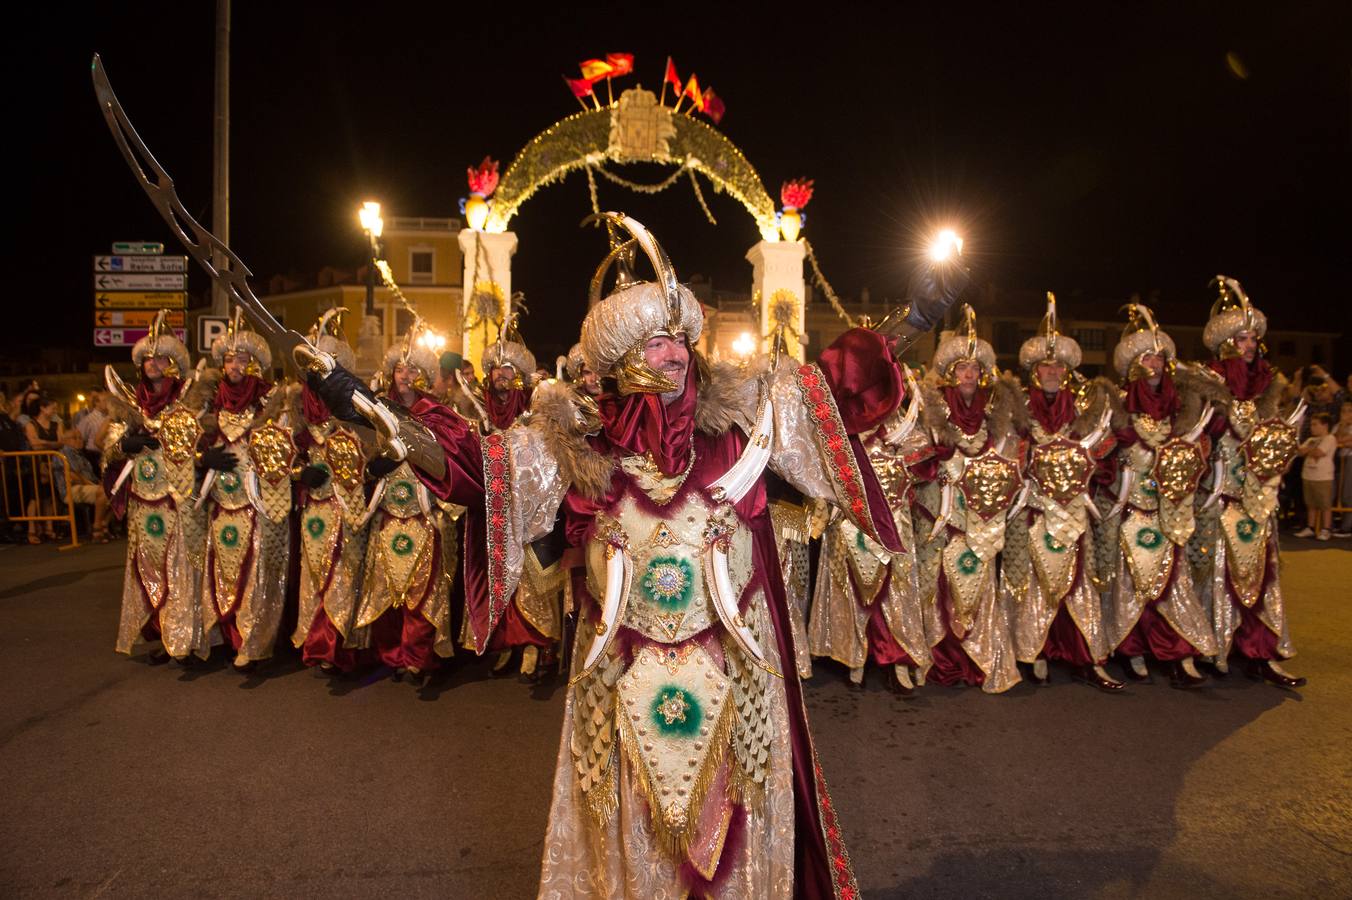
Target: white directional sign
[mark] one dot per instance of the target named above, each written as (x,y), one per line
(139,247)
(140,264)
(140,281)
(208,329)
(125,337)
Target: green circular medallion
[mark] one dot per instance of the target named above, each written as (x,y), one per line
(155,525)
(675,711)
(315,527)
(1246,529)
(968,562)
(1051,543)
(668,582)
(229,536)
(402,544)
(1148,538)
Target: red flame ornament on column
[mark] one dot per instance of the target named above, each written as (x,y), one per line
(794,195)
(483,181)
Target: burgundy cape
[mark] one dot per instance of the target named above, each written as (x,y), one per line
(866,384)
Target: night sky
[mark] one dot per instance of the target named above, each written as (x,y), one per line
(1106,149)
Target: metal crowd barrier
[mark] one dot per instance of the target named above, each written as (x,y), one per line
(26,470)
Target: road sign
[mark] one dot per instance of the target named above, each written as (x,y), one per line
(134,318)
(208,329)
(138,247)
(126,337)
(140,300)
(140,264)
(140,281)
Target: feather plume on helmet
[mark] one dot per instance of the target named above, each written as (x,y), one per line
(1231,315)
(412,352)
(617,327)
(240,339)
(963,345)
(327,336)
(1049,344)
(509,349)
(1140,336)
(160,340)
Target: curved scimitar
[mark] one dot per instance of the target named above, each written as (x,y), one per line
(376,496)
(1091,508)
(945,512)
(1020,503)
(738,481)
(424,499)
(725,602)
(205,492)
(386,426)
(122,478)
(1217,482)
(1123,490)
(251,489)
(1297,414)
(913,409)
(1196,431)
(619,573)
(309,358)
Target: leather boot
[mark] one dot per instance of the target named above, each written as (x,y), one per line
(1273,673)
(1183,674)
(1096,677)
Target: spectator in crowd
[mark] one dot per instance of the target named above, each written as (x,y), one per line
(11,439)
(1316,477)
(1342,434)
(11,432)
(77,478)
(92,425)
(1322,395)
(42,428)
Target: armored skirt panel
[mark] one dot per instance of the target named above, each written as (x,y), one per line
(165,552)
(248,544)
(333,532)
(404,572)
(676,741)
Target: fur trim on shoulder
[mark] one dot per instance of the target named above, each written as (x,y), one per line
(274,403)
(1008,409)
(934,414)
(727,397)
(203,388)
(556,417)
(1268,403)
(1098,395)
(1197,385)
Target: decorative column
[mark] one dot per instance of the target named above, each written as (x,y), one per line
(777,284)
(486,287)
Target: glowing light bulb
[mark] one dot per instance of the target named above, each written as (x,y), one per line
(745,345)
(369,215)
(946,245)
(476,212)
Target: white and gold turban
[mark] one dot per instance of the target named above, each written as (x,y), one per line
(238,338)
(327,336)
(575,361)
(161,341)
(411,352)
(508,353)
(961,345)
(1231,314)
(617,327)
(1140,336)
(1049,345)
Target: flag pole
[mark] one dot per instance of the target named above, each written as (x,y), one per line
(610,93)
(662,100)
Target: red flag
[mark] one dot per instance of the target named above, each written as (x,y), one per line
(713,106)
(620,63)
(671,77)
(595,69)
(580,87)
(693,92)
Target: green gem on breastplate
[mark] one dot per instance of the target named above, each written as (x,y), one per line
(668,582)
(675,711)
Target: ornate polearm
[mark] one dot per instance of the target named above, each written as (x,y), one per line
(399,435)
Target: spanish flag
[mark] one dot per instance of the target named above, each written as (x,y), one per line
(620,64)
(580,87)
(595,69)
(693,92)
(671,77)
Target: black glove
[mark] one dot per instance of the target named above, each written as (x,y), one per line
(381,466)
(336,390)
(134,442)
(313,476)
(935,286)
(220,459)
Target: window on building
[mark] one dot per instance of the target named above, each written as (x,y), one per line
(422,265)
(1088,338)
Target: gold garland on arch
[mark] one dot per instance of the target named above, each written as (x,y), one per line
(820,280)
(649,189)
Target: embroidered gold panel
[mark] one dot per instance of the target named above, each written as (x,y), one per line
(232,534)
(404,551)
(1148,552)
(149,529)
(1246,546)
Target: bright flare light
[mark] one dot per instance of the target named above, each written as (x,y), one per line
(371,222)
(745,345)
(432,341)
(946,245)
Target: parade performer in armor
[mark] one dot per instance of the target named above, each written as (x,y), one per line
(150,454)
(406,588)
(507,366)
(973,479)
(1153,604)
(866,604)
(686,765)
(1049,561)
(1254,447)
(331,503)
(248,499)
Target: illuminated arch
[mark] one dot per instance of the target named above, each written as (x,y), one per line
(585,138)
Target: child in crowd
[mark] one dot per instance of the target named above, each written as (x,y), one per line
(1316,477)
(1342,433)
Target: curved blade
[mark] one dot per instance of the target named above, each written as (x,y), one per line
(201,244)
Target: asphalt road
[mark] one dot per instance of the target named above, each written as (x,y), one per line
(118,779)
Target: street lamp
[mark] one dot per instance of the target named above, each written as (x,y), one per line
(373,225)
(744,345)
(946,245)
